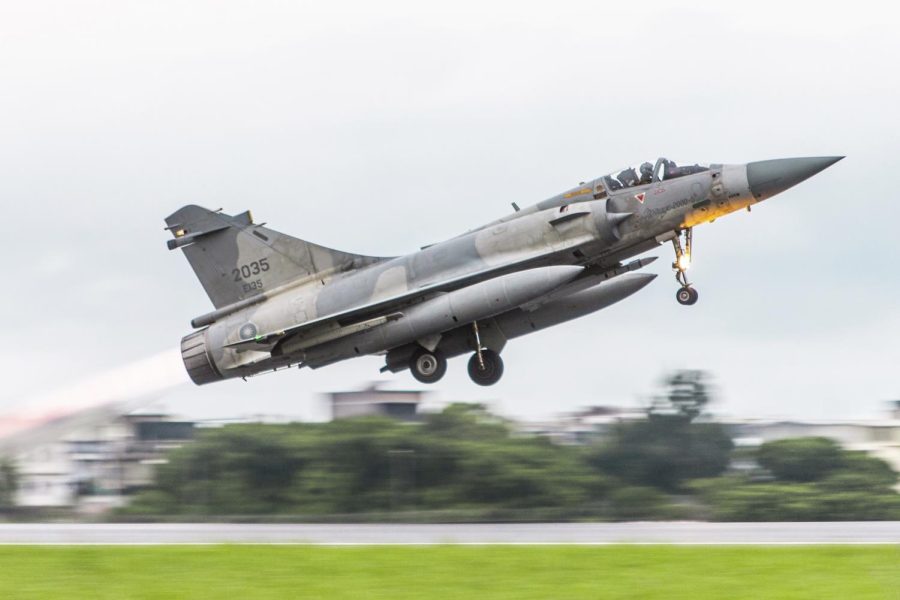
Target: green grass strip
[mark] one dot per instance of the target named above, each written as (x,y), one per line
(399,572)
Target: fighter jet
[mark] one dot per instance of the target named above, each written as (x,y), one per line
(283,302)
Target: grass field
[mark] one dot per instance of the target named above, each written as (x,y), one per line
(520,572)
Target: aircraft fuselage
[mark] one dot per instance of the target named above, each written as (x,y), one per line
(536,267)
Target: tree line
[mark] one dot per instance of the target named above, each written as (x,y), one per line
(465,463)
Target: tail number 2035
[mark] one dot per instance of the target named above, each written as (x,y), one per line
(250,269)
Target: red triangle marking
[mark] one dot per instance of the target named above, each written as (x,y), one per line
(640,197)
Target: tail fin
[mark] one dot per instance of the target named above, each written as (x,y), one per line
(236,259)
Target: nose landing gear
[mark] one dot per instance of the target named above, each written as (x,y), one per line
(686,295)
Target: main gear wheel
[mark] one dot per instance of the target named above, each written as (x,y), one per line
(486,367)
(427,366)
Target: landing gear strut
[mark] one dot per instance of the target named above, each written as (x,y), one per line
(427,366)
(485,366)
(686,295)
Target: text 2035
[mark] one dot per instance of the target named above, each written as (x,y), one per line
(250,269)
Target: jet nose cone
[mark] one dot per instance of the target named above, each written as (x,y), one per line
(770,177)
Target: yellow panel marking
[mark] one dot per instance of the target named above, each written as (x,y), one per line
(580,192)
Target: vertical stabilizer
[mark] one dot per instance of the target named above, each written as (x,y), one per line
(235,259)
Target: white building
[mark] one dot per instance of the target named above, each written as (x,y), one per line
(93,465)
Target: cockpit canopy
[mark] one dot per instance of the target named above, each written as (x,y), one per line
(663,170)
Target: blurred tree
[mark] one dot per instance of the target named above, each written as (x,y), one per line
(668,447)
(467,421)
(816,481)
(241,469)
(638,502)
(462,458)
(876,473)
(9,484)
(465,459)
(687,396)
(802,502)
(663,452)
(800,459)
(768,502)
(522,473)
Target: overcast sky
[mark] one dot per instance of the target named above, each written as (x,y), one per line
(379,127)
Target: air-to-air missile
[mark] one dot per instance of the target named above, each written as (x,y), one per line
(282,302)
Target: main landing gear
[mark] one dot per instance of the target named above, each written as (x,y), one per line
(428,366)
(686,295)
(485,366)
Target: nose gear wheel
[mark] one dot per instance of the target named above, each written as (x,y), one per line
(686,295)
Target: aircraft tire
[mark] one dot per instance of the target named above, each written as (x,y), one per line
(428,367)
(687,296)
(492,371)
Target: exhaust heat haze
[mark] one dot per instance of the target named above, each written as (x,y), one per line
(127,386)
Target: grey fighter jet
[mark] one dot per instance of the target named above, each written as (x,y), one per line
(282,302)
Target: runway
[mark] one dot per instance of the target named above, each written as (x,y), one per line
(680,533)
